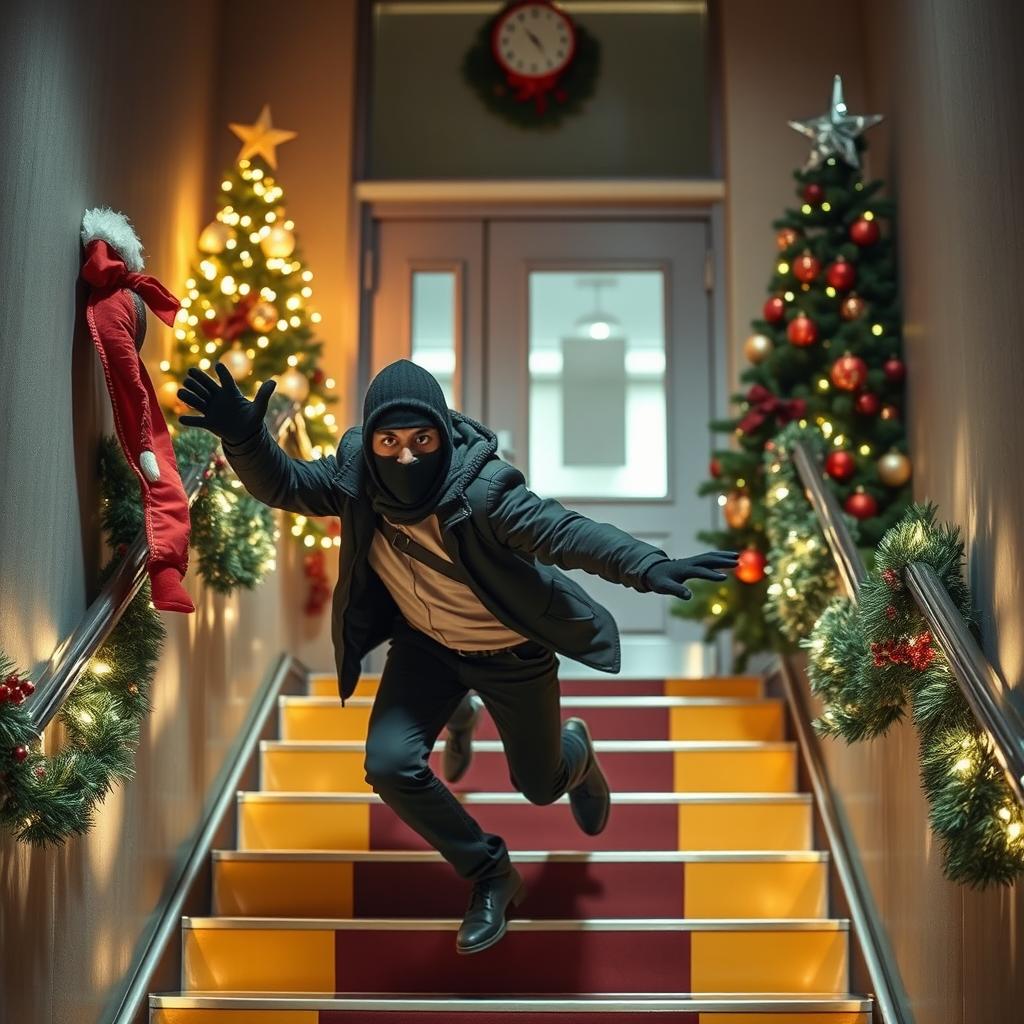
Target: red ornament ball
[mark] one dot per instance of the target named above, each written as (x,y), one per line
(317,376)
(774,309)
(895,370)
(842,275)
(802,330)
(849,372)
(333,527)
(813,193)
(867,403)
(864,232)
(20,752)
(861,505)
(806,267)
(840,465)
(750,566)
(715,468)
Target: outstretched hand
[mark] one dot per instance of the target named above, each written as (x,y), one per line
(667,576)
(227,412)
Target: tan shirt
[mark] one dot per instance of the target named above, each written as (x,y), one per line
(431,602)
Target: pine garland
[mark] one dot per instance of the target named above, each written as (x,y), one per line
(802,568)
(46,799)
(871,661)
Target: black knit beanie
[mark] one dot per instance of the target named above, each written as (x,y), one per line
(404,391)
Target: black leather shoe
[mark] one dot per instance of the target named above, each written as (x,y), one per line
(458,748)
(484,923)
(590,798)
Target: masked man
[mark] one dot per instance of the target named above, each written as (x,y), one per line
(447,553)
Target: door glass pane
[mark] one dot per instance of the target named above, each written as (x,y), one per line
(597,384)
(434,327)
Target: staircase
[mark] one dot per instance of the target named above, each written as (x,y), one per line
(702,901)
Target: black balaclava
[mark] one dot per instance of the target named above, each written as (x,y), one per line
(403,394)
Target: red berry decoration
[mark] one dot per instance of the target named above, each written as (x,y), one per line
(17,697)
(28,687)
(895,370)
(867,403)
(39,771)
(5,692)
(20,752)
(774,309)
(840,465)
(715,468)
(861,505)
(849,372)
(813,193)
(806,267)
(802,330)
(842,275)
(750,566)
(864,232)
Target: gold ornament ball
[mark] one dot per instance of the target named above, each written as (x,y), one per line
(214,237)
(293,383)
(894,469)
(238,363)
(737,509)
(852,307)
(263,317)
(785,238)
(758,347)
(168,395)
(278,241)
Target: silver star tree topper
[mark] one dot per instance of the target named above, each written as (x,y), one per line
(833,133)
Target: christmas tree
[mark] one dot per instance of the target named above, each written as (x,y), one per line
(248,305)
(826,350)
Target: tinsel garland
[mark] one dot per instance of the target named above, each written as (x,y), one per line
(46,799)
(803,572)
(871,660)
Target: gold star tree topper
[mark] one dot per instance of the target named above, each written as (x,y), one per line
(261,138)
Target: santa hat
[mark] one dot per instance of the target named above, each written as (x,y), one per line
(116,316)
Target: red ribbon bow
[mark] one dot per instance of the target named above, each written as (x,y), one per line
(104,268)
(231,326)
(764,404)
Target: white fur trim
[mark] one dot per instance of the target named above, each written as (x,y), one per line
(150,469)
(116,230)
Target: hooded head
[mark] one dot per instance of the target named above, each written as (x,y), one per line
(403,394)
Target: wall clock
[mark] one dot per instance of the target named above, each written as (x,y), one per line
(532,63)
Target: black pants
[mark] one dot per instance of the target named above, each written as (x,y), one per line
(421,686)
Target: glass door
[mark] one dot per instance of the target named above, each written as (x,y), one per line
(586,345)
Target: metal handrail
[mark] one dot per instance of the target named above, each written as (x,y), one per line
(68,661)
(986,693)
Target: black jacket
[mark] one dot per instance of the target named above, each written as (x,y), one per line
(502,535)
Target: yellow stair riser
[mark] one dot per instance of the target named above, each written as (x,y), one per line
(326,889)
(303,960)
(724,686)
(756,722)
(206,1016)
(695,771)
(310,826)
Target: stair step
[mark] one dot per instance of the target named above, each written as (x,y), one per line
(643,884)
(416,955)
(614,717)
(652,821)
(678,1008)
(323,684)
(670,765)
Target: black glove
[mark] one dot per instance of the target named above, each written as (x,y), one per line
(666,576)
(228,413)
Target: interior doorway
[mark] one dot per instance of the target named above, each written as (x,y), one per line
(587,345)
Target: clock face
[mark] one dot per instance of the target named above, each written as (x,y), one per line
(534,40)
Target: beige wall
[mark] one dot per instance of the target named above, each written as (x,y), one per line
(128,110)
(948,78)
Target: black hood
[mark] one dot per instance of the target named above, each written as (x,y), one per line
(466,444)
